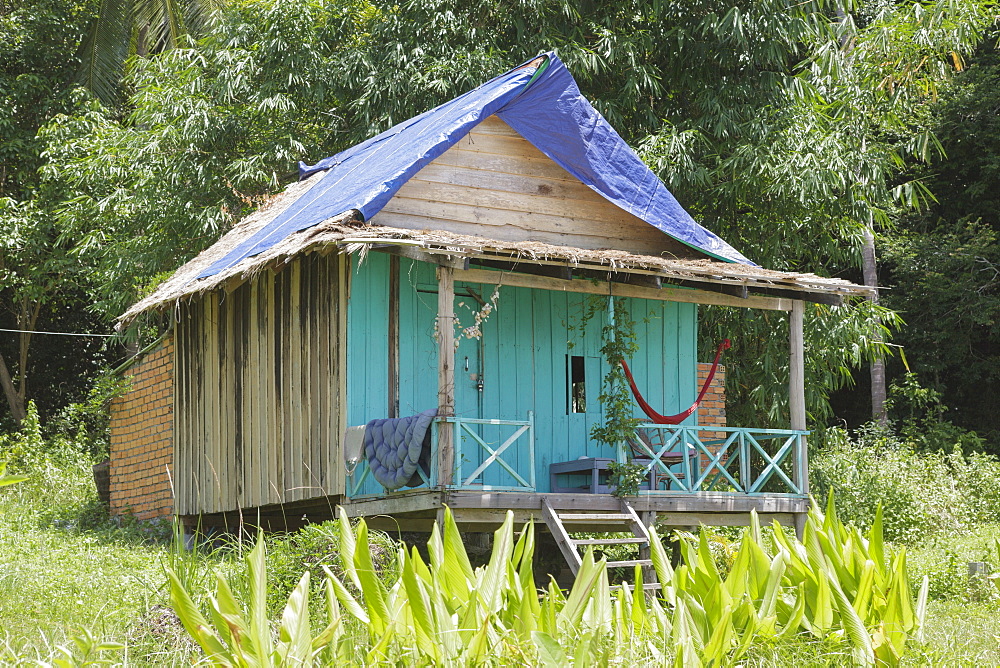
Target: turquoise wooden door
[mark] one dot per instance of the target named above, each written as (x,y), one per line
(469,377)
(418,349)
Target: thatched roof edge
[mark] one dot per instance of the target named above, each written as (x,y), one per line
(348,235)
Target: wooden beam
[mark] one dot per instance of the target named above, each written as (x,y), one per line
(343,268)
(829,298)
(796,388)
(621,290)
(438,257)
(446,371)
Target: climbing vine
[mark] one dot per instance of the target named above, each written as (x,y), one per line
(618,342)
(475,331)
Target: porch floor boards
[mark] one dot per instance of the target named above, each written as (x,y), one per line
(485,511)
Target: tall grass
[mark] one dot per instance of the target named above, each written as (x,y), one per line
(68,570)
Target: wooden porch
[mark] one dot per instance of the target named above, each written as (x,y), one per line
(481,467)
(484,511)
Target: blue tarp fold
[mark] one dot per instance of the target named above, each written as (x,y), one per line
(545,106)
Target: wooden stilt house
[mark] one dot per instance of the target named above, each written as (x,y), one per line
(461,264)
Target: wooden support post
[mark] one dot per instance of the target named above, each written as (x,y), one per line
(800,525)
(797,389)
(446,372)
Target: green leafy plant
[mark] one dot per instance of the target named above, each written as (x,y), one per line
(241,636)
(922,493)
(618,342)
(6,479)
(86,650)
(626,478)
(842,588)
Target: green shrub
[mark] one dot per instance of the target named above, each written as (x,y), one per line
(922,493)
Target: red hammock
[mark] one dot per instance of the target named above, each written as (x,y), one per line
(655,417)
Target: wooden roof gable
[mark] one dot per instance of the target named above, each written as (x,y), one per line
(495,184)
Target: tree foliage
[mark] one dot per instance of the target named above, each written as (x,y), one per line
(37,275)
(214,129)
(124,28)
(944,262)
(791,129)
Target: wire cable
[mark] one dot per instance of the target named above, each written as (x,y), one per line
(27,331)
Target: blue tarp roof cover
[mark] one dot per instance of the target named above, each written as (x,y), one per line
(544,105)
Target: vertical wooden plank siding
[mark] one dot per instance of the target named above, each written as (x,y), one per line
(259,391)
(525,345)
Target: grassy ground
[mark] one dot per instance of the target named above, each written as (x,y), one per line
(65,567)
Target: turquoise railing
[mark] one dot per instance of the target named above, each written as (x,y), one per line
(483,450)
(490,440)
(361,473)
(737,460)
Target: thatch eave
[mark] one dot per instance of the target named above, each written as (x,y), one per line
(347,235)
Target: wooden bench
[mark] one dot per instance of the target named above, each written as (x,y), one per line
(591,467)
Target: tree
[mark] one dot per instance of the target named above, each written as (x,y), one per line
(123,28)
(213,131)
(943,265)
(780,126)
(35,75)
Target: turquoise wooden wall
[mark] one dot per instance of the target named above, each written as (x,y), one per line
(521,361)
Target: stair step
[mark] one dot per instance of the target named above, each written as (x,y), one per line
(611,541)
(645,585)
(595,517)
(630,562)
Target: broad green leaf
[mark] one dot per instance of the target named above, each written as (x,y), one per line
(921,611)
(550,652)
(257,606)
(420,609)
(772,588)
(492,584)
(371,586)
(876,548)
(455,570)
(354,608)
(796,617)
(295,632)
(866,587)
(192,619)
(661,564)
(582,655)
(854,627)
(347,546)
(717,647)
(587,579)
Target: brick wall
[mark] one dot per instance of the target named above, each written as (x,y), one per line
(712,411)
(142,423)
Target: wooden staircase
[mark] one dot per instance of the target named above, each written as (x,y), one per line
(563,525)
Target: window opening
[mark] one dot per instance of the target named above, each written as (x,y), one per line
(577,384)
